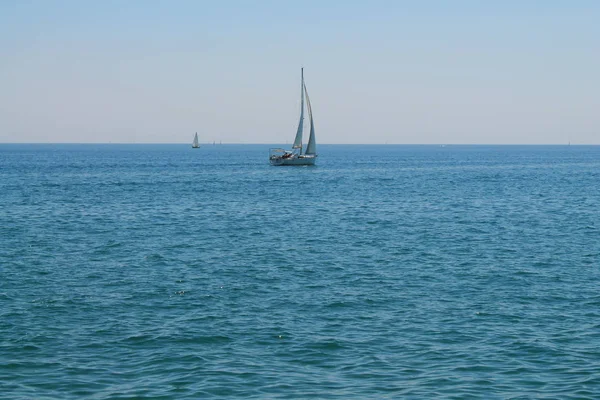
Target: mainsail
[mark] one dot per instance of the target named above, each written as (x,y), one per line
(298,141)
(195,142)
(311,148)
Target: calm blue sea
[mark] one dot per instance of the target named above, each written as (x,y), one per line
(163,272)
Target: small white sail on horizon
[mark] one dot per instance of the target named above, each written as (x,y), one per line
(195,144)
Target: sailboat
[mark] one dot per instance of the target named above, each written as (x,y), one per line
(195,144)
(295,156)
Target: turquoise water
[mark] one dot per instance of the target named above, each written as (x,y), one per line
(159,271)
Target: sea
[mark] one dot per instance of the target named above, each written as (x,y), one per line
(385,271)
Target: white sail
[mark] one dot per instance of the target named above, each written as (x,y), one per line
(311,148)
(298,140)
(195,142)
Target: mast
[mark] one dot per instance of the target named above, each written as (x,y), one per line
(311,147)
(298,140)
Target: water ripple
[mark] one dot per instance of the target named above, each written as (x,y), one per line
(384,272)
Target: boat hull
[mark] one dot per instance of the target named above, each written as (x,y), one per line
(302,160)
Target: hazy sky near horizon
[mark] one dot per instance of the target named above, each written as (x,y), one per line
(462,71)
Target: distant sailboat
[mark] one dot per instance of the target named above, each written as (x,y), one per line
(295,156)
(195,144)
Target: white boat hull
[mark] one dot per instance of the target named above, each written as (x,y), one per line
(296,160)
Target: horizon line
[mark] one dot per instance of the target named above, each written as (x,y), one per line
(327,144)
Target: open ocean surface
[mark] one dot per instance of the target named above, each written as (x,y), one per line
(159,271)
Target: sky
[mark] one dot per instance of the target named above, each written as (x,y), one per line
(397,72)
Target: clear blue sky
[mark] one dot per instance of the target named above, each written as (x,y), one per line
(377,71)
